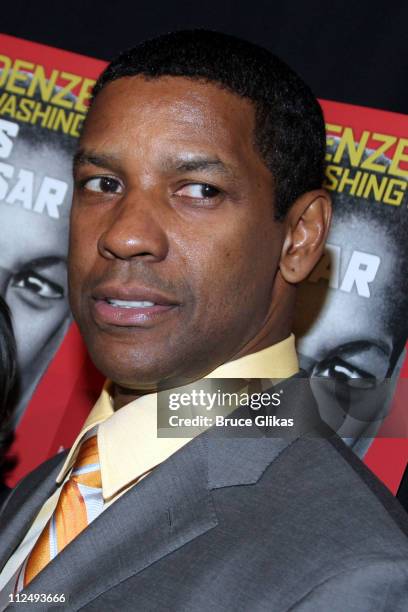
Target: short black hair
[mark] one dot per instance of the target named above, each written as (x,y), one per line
(290,131)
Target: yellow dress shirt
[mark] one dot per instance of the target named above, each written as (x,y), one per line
(127,439)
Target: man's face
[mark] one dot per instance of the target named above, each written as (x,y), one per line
(33,254)
(174,246)
(350,341)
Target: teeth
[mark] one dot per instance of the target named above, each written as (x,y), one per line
(129,303)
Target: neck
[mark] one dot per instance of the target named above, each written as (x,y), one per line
(277,324)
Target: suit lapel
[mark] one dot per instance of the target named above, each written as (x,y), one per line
(20,510)
(239,456)
(167,509)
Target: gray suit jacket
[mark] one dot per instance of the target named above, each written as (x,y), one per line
(242,523)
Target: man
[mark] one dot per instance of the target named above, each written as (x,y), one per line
(35,199)
(351,313)
(197,209)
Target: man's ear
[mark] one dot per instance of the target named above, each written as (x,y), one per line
(307,226)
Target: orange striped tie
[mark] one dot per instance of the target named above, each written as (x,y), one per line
(80,502)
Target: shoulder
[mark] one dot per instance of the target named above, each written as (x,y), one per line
(337,493)
(323,478)
(327,471)
(318,522)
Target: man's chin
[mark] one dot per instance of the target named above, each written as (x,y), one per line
(136,374)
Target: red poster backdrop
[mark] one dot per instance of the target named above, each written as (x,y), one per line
(360,329)
(67,385)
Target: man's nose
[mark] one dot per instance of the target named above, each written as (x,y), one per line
(135,229)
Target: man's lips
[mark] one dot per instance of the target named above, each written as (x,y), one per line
(130,306)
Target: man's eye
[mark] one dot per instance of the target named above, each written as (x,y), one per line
(103,184)
(344,372)
(199,191)
(38,285)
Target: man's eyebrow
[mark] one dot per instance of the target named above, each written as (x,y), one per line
(180,164)
(101,160)
(195,164)
(43,262)
(366,344)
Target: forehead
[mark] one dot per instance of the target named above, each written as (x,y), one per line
(174,111)
(28,235)
(40,161)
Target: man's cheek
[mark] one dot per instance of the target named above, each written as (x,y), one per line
(30,337)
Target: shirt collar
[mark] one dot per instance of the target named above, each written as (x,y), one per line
(276,361)
(102,410)
(127,439)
